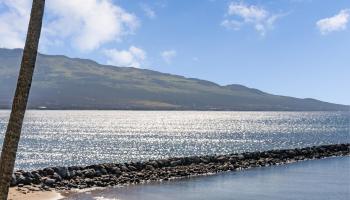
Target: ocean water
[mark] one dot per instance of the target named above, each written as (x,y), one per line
(65,138)
(315,179)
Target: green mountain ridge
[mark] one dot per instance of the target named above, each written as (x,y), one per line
(61,82)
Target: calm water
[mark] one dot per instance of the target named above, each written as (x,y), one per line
(53,138)
(319,179)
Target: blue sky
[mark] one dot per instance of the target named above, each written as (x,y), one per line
(290,47)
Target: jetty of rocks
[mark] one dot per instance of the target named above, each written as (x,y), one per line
(111,174)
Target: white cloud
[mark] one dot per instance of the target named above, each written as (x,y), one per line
(150,13)
(89,23)
(13,23)
(249,13)
(168,55)
(260,18)
(336,23)
(83,24)
(133,57)
(231,24)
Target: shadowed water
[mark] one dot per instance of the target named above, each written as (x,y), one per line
(52,138)
(318,179)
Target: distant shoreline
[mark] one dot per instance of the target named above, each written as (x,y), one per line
(111,174)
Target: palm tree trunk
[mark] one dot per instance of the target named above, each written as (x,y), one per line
(19,105)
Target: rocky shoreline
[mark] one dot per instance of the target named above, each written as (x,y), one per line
(111,174)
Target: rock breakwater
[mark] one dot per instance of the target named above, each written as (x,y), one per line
(111,174)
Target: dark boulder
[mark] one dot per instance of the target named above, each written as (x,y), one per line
(13,180)
(49,171)
(63,172)
(49,182)
(175,163)
(149,167)
(24,180)
(116,171)
(90,173)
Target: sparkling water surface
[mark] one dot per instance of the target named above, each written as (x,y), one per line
(65,138)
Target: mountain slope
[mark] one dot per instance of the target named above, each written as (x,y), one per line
(66,83)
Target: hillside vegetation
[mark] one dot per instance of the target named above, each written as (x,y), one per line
(70,83)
